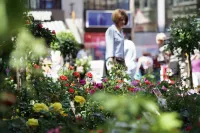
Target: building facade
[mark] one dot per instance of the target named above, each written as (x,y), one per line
(89,19)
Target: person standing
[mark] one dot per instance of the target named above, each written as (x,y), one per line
(145,63)
(163,57)
(82,53)
(114,38)
(130,57)
(196,68)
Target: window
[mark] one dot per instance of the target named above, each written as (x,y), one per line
(137,4)
(123,4)
(106,4)
(145,3)
(112,4)
(97,4)
(43,4)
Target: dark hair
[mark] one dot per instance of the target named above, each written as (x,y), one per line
(128,37)
(146,54)
(117,14)
(82,46)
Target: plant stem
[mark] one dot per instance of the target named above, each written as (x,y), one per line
(190,71)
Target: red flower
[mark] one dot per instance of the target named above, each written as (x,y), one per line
(172,82)
(71,90)
(36,66)
(188,128)
(79,118)
(89,74)
(71,68)
(62,77)
(147,82)
(76,74)
(66,85)
(131,89)
(53,32)
(40,25)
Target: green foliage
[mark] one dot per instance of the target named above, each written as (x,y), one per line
(83,65)
(66,43)
(38,31)
(185,34)
(62,36)
(23,52)
(11,20)
(188,106)
(138,114)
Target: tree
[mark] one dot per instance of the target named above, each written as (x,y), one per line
(185,34)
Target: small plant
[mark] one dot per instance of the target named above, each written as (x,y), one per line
(66,43)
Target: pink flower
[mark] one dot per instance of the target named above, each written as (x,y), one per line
(164,88)
(40,25)
(82,82)
(117,87)
(105,80)
(53,32)
(92,92)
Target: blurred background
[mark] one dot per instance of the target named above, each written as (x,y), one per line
(89,19)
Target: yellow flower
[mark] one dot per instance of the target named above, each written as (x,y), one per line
(63,113)
(79,99)
(32,122)
(56,106)
(40,107)
(17,110)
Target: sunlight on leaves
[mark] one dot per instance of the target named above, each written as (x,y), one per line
(3,25)
(169,121)
(26,45)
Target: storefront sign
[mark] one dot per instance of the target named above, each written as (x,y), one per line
(96,41)
(103,19)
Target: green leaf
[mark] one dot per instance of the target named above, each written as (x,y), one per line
(4,19)
(169,121)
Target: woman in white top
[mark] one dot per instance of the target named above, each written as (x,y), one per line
(115,39)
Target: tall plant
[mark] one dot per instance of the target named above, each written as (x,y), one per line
(67,44)
(185,34)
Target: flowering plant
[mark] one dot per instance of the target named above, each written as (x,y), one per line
(83,65)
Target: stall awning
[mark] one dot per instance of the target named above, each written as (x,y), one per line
(41,15)
(57,26)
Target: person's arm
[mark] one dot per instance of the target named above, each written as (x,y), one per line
(134,52)
(110,44)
